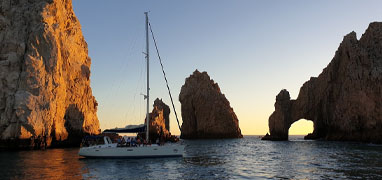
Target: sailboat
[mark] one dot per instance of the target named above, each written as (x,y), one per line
(105,148)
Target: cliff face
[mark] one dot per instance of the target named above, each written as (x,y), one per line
(206,112)
(45,94)
(344,101)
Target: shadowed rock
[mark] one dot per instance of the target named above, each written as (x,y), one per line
(45,94)
(344,101)
(206,112)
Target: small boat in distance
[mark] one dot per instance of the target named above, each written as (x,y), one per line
(103,147)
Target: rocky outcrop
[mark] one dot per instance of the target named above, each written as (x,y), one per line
(45,94)
(159,122)
(345,100)
(206,112)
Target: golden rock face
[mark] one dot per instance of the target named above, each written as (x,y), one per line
(45,93)
(159,120)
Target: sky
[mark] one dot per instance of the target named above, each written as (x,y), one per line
(252,49)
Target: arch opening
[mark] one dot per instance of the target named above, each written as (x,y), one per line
(301,128)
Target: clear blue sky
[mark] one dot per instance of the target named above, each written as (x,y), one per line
(253,49)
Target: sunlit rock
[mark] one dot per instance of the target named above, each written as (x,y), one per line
(45,94)
(159,120)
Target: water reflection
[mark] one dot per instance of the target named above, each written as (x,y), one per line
(49,164)
(247,158)
(203,161)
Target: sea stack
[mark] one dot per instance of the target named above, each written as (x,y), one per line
(159,120)
(206,112)
(345,100)
(45,94)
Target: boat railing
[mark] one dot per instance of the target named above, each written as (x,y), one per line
(88,141)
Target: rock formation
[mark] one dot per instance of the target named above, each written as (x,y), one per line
(206,112)
(45,94)
(159,119)
(345,100)
(159,122)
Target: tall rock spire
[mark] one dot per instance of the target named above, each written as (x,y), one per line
(206,112)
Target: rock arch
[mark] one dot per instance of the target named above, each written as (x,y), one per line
(344,101)
(289,111)
(301,127)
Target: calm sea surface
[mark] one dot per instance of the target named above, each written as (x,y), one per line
(247,158)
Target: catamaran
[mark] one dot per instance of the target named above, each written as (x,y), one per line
(108,149)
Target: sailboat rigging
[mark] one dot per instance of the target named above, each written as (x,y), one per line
(108,149)
(164,74)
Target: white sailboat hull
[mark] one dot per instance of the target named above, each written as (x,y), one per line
(112,151)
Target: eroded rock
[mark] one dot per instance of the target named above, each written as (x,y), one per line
(45,94)
(159,127)
(344,101)
(206,112)
(159,120)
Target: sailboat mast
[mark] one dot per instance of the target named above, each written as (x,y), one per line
(148,88)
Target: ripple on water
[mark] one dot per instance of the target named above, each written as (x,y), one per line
(246,158)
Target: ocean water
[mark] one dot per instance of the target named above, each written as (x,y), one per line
(247,158)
